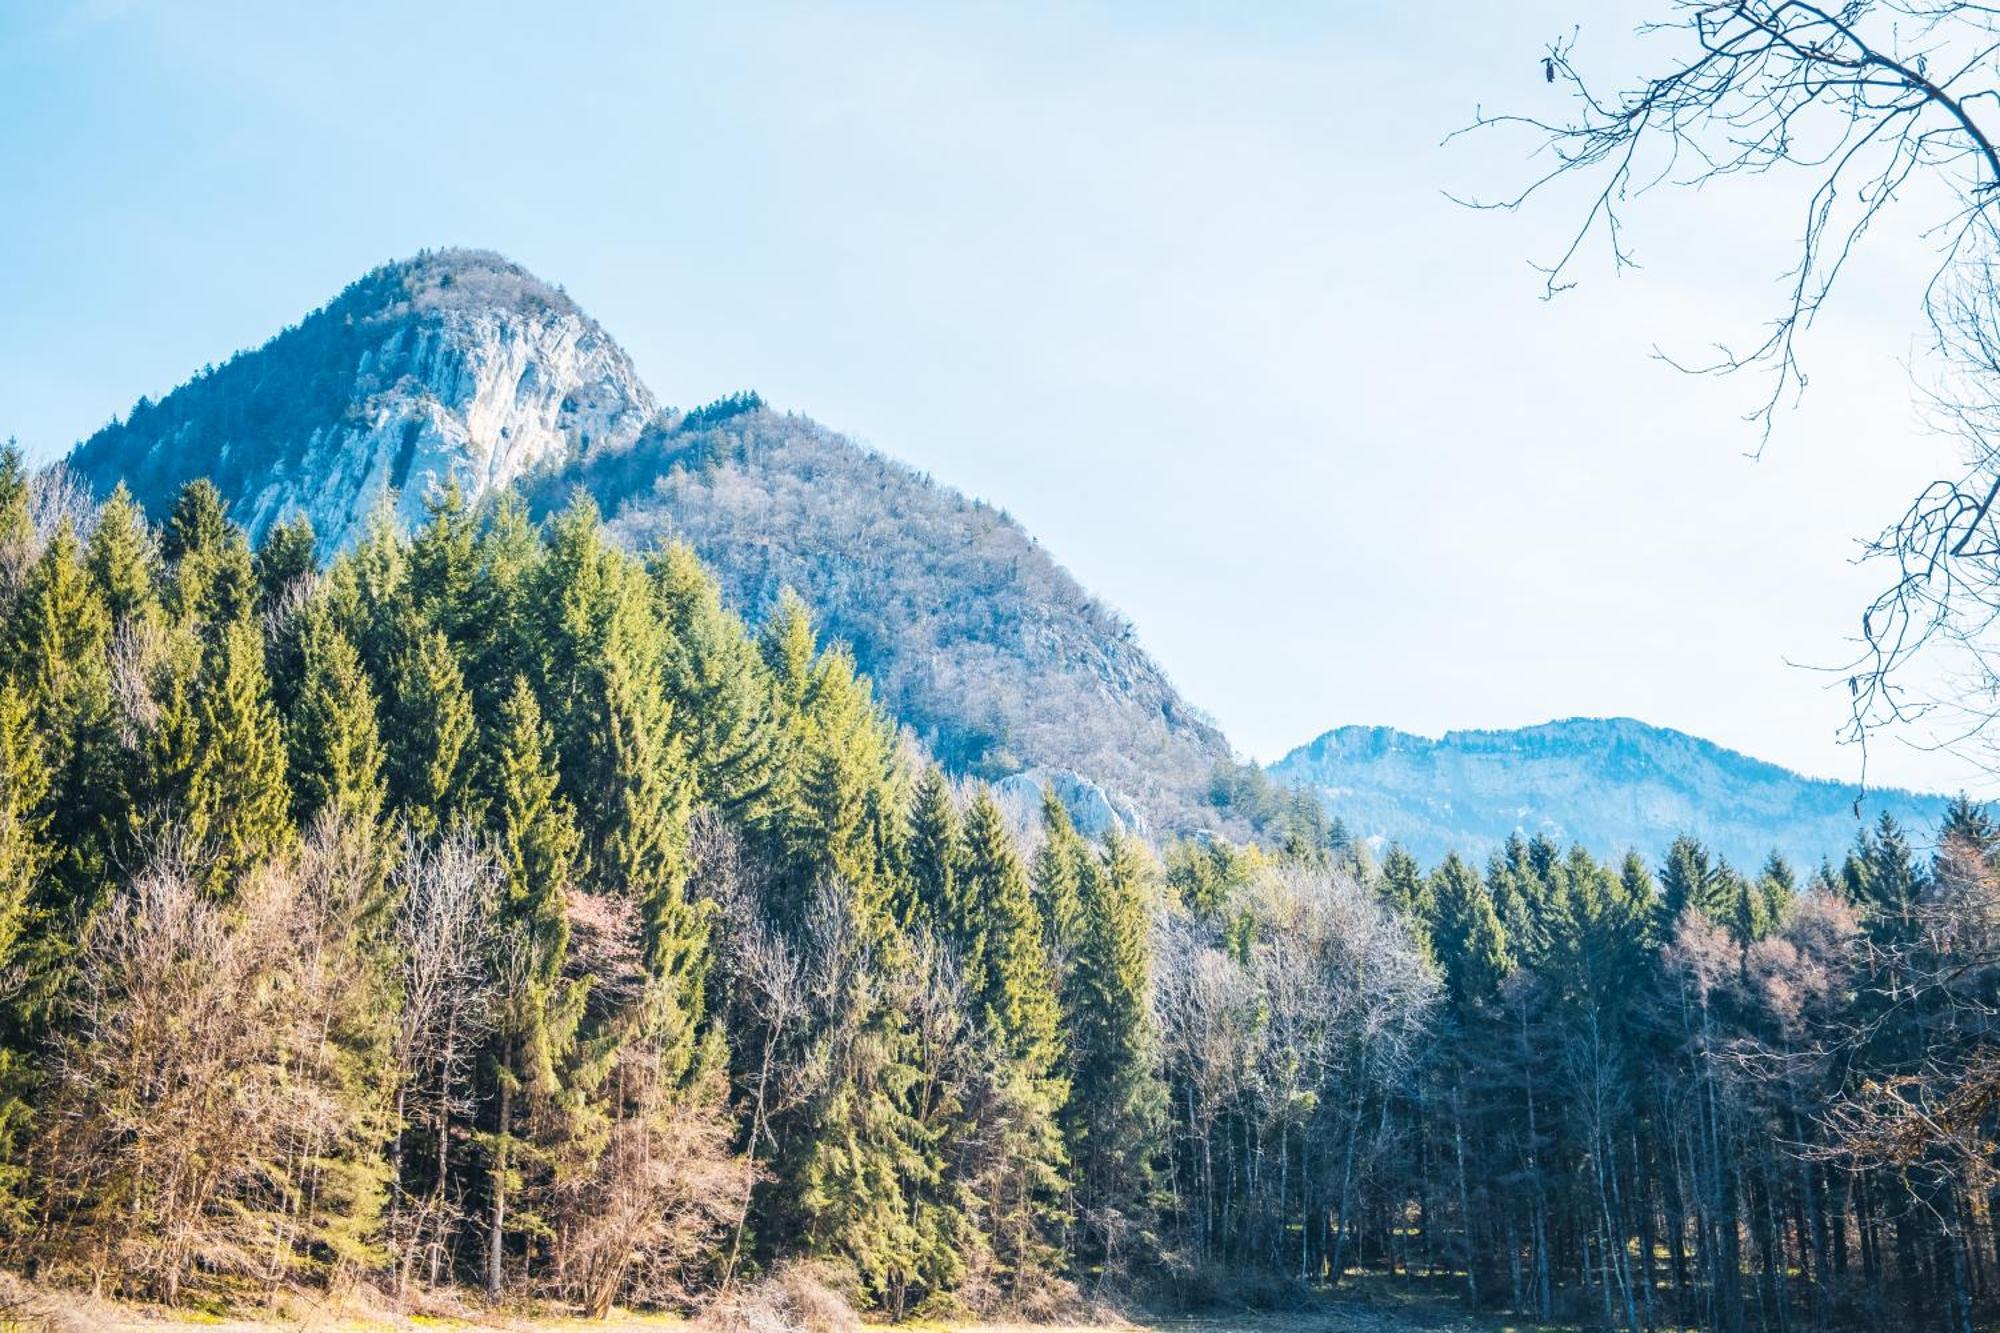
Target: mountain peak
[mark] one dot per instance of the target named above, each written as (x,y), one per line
(462,366)
(454,280)
(450,366)
(1611,784)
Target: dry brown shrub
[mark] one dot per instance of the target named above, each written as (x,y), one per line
(26,1307)
(798,1296)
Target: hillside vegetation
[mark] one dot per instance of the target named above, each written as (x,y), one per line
(975,638)
(490,914)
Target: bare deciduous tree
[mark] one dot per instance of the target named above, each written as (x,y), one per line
(1868,105)
(443,950)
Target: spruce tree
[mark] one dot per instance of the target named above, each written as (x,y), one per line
(501,647)
(1116,1099)
(212,582)
(17,523)
(791,653)
(444,566)
(430,736)
(1882,878)
(25,854)
(335,745)
(934,854)
(1059,868)
(1013,987)
(371,593)
(718,685)
(1690,878)
(1468,938)
(1402,886)
(230,786)
(535,829)
(57,651)
(123,559)
(286,557)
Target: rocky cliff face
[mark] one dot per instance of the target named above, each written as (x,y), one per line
(457,366)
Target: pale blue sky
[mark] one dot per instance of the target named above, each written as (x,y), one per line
(1176,286)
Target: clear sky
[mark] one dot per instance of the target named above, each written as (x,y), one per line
(1176,286)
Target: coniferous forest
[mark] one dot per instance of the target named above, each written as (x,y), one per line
(490,909)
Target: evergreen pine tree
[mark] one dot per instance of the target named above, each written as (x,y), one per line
(286,557)
(1060,865)
(122,559)
(17,523)
(1116,1100)
(212,582)
(1012,985)
(444,566)
(535,829)
(934,854)
(335,745)
(229,787)
(1691,879)
(24,947)
(1470,942)
(429,736)
(1882,878)
(1403,887)
(58,653)
(718,685)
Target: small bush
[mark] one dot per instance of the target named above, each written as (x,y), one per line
(799,1296)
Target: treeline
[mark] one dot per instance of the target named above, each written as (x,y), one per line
(491,908)
(1639,1100)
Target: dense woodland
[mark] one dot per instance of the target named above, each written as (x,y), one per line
(492,909)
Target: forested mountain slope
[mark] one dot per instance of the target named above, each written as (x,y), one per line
(976,638)
(1610,784)
(459,366)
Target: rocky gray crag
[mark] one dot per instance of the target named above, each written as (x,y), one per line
(454,366)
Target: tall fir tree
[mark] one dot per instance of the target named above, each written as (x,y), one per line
(1470,942)
(335,746)
(1013,986)
(1116,1099)
(212,582)
(25,944)
(934,854)
(58,654)
(123,559)
(718,685)
(285,560)
(535,829)
(229,785)
(430,736)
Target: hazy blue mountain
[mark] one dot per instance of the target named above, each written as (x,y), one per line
(461,366)
(1608,783)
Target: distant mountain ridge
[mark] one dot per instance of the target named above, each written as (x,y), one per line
(459,366)
(1611,784)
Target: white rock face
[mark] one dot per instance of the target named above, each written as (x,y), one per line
(1094,809)
(477,397)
